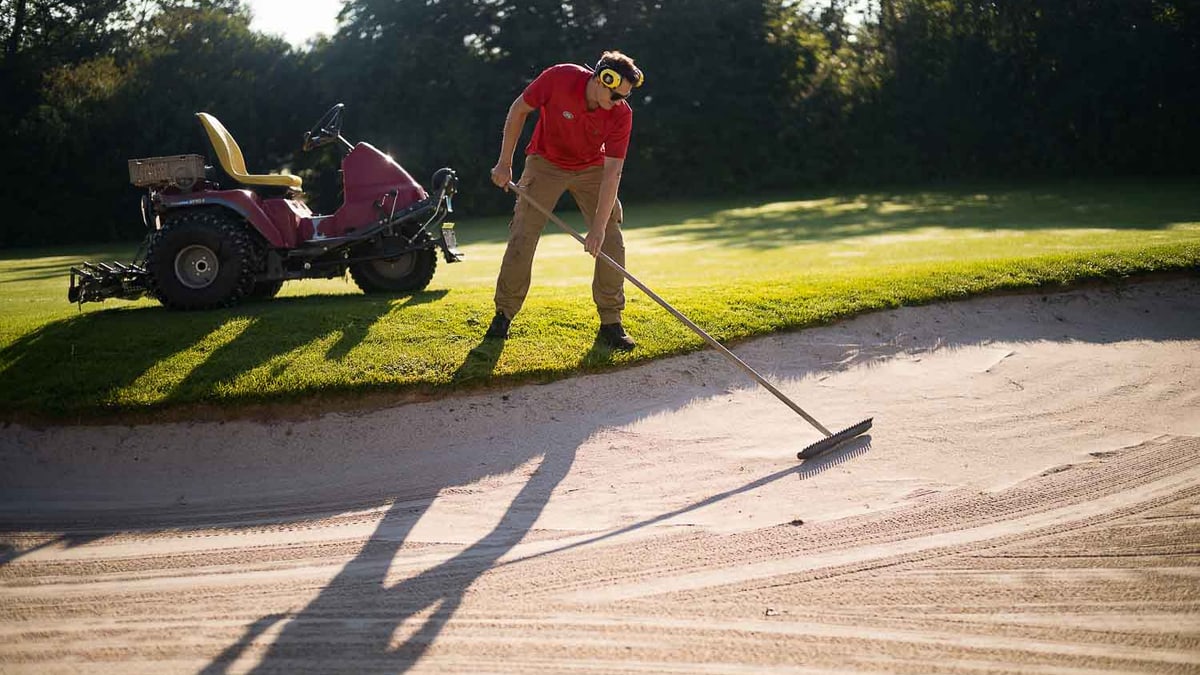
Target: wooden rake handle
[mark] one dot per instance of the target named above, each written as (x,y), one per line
(676,313)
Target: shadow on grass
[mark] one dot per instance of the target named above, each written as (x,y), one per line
(277,329)
(480,362)
(769,224)
(97,354)
(23,265)
(598,356)
(788,219)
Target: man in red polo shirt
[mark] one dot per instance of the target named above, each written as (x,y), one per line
(579,144)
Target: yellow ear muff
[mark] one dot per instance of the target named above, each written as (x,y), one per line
(610,78)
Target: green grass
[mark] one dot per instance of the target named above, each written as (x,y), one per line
(737,269)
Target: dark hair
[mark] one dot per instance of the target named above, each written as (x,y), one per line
(623,65)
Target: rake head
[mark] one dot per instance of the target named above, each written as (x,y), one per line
(834,440)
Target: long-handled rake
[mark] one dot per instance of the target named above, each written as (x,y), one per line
(831,439)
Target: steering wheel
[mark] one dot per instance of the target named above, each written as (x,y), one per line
(326,130)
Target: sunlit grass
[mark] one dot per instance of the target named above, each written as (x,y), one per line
(738,269)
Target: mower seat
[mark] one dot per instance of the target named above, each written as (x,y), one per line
(235,164)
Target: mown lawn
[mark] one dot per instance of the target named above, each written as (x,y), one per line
(737,268)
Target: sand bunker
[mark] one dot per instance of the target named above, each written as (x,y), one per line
(1029,499)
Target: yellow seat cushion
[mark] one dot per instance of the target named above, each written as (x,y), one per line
(230,156)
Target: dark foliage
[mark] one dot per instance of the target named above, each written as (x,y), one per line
(741,95)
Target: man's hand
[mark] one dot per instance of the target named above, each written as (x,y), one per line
(594,241)
(607,199)
(502,175)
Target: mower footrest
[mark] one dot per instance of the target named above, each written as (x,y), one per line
(450,244)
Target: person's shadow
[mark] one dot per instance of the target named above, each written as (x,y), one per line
(357,622)
(480,362)
(365,615)
(428,600)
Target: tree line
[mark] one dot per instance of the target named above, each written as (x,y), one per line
(741,96)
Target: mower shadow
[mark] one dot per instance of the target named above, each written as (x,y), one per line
(65,355)
(23,265)
(34,272)
(263,342)
(76,354)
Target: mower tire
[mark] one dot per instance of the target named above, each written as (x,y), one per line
(201,259)
(408,273)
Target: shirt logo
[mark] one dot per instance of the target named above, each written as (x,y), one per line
(567,114)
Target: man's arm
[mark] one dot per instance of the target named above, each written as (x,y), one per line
(604,205)
(513,123)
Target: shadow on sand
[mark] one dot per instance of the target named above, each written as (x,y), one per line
(355,622)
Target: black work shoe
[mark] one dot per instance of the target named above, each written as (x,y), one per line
(499,327)
(613,335)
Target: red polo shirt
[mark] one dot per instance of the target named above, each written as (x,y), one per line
(567,133)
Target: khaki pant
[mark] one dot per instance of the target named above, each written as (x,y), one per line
(545,183)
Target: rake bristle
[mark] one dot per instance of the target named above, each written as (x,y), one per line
(831,442)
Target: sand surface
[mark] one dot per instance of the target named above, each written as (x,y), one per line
(1027,501)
